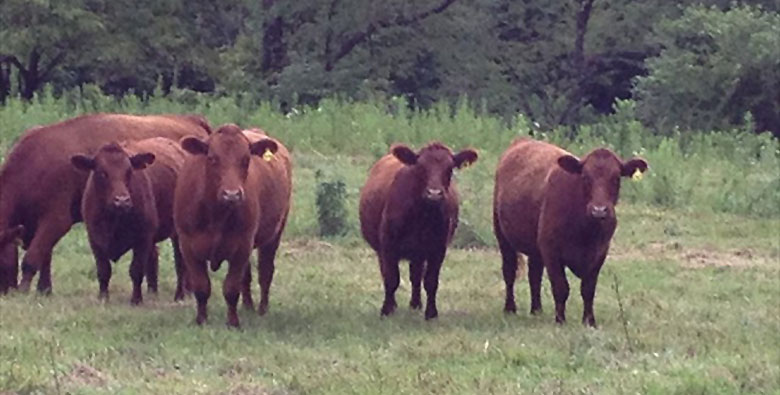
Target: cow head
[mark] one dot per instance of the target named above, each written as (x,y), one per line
(600,173)
(228,155)
(111,172)
(434,165)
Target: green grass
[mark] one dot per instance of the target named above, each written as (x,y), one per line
(700,293)
(696,257)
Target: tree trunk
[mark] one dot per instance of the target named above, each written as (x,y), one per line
(5,81)
(274,49)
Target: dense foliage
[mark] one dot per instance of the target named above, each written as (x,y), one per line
(692,64)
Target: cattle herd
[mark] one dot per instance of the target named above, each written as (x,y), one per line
(219,194)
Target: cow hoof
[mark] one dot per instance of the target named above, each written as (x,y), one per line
(415,304)
(388,308)
(590,322)
(200,320)
(179,297)
(536,311)
(247,302)
(262,310)
(510,308)
(232,323)
(136,301)
(431,314)
(560,320)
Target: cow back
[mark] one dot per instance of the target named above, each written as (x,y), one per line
(519,190)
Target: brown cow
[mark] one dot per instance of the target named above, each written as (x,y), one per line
(8,272)
(233,194)
(409,210)
(40,189)
(126,208)
(559,211)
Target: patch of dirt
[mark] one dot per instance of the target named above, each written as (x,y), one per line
(83,375)
(697,258)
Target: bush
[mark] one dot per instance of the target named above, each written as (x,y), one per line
(331,211)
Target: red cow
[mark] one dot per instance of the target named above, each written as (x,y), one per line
(409,210)
(41,190)
(127,205)
(233,194)
(559,211)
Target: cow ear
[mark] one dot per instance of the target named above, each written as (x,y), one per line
(11,234)
(194,145)
(404,154)
(140,161)
(260,147)
(629,167)
(465,158)
(570,163)
(82,162)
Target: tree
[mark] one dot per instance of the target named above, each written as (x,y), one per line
(714,67)
(37,37)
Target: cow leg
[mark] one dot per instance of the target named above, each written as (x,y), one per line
(141,256)
(266,266)
(509,269)
(180,272)
(231,287)
(416,268)
(198,282)
(588,292)
(560,289)
(152,269)
(103,273)
(535,271)
(38,256)
(9,268)
(246,287)
(392,278)
(432,269)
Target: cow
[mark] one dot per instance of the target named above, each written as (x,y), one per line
(41,190)
(559,211)
(9,272)
(128,204)
(233,195)
(409,210)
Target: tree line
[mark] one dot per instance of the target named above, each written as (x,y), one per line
(703,64)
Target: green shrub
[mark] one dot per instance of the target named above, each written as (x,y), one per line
(331,207)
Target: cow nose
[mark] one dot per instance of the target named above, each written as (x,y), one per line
(122,201)
(599,212)
(434,194)
(232,195)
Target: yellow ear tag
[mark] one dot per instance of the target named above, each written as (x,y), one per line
(268,155)
(637,176)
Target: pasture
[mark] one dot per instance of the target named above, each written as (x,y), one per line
(688,300)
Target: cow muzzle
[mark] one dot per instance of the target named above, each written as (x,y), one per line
(231,196)
(599,212)
(433,195)
(122,202)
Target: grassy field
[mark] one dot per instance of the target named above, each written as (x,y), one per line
(696,261)
(700,293)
